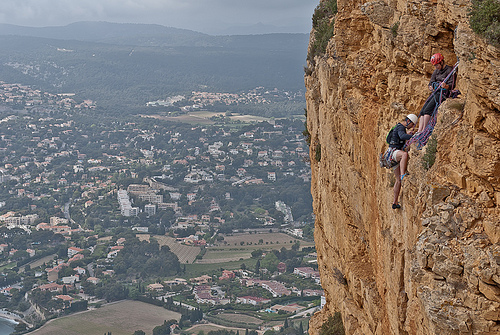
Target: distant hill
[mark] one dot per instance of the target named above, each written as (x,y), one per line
(126,65)
(113,33)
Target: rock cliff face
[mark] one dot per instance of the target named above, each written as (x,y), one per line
(432,267)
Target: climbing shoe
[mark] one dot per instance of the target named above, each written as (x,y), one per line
(396,206)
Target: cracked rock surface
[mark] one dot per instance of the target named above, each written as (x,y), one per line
(431,267)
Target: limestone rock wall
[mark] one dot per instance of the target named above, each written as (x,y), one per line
(432,267)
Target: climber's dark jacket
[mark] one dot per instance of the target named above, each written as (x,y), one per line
(399,137)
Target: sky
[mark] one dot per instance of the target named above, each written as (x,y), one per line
(207,16)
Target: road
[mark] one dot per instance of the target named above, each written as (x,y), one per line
(309,311)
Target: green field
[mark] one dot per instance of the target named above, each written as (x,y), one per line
(234,317)
(231,250)
(196,270)
(203,117)
(212,327)
(217,256)
(121,318)
(186,254)
(39,262)
(240,245)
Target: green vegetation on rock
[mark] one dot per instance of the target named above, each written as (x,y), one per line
(485,20)
(333,326)
(323,24)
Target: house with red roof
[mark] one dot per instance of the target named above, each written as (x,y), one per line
(73,251)
(227,275)
(64,297)
(52,287)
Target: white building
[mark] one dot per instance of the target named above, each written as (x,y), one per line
(70,279)
(175,195)
(151,197)
(150,209)
(126,208)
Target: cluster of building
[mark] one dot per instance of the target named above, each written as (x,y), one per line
(58,225)
(307,272)
(148,194)
(55,156)
(11,219)
(206,162)
(16,94)
(206,292)
(199,99)
(277,289)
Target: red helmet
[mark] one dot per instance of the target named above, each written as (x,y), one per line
(436,59)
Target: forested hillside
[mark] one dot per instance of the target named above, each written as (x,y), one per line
(130,69)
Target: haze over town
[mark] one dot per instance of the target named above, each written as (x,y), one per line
(211,17)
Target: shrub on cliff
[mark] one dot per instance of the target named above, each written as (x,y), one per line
(333,326)
(323,24)
(485,20)
(325,10)
(317,152)
(430,153)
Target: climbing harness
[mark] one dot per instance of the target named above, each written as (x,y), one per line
(386,159)
(422,137)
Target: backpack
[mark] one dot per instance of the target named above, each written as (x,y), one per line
(385,159)
(389,135)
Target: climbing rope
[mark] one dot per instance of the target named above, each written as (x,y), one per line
(423,137)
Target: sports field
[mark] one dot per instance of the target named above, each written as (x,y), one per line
(203,117)
(240,246)
(212,327)
(39,262)
(120,318)
(235,317)
(185,253)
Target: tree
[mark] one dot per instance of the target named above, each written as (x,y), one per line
(257,253)
(270,262)
(20,255)
(20,327)
(333,326)
(164,329)
(196,315)
(257,266)
(139,332)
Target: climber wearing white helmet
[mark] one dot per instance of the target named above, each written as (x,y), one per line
(396,142)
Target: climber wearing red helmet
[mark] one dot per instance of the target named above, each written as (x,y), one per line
(439,95)
(436,59)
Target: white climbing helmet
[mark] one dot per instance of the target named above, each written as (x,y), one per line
(412,117)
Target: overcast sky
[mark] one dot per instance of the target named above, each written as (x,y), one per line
(208,16)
